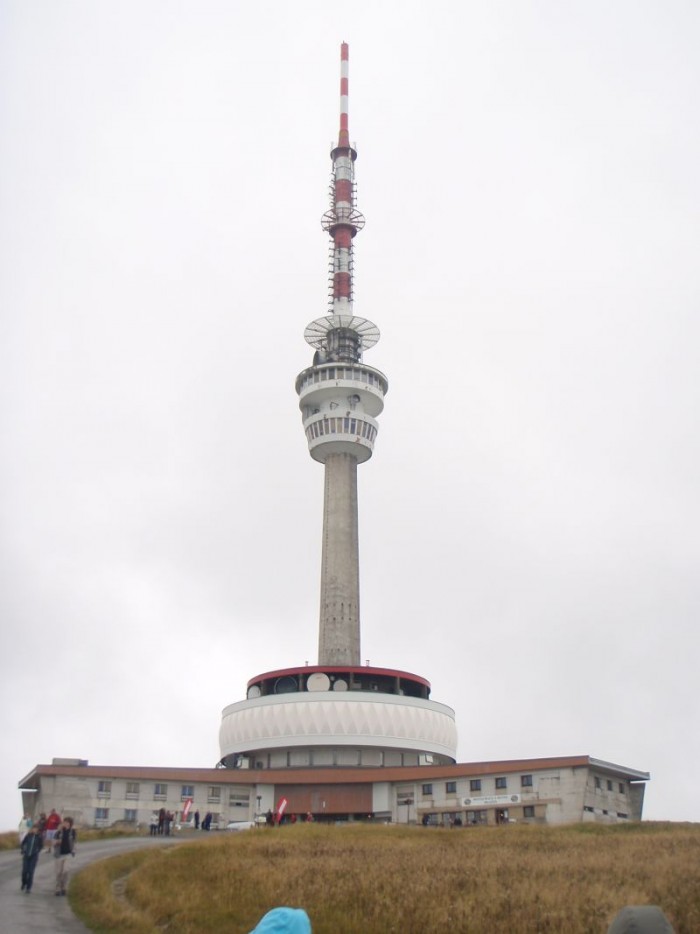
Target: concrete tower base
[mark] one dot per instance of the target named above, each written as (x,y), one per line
(339,624)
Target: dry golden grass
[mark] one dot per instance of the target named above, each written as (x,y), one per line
(359,878)
(9,840)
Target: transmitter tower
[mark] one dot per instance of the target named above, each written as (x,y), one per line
(338,713)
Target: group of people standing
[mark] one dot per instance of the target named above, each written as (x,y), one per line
(57,835)
(205,821)
(274,818)
(162,823)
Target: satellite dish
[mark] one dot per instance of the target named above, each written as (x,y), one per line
(253,691)
(286,685)
(340,685)
(318,681)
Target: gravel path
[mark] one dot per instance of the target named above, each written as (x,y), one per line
(41,911)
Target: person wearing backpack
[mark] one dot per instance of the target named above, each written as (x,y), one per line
(63,850)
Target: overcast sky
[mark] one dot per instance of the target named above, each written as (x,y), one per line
(529,522)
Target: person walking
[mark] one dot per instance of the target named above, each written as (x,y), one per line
(30,849)
(53,822)
(63,850)
(24,826)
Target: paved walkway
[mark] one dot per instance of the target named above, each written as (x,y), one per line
(42,911)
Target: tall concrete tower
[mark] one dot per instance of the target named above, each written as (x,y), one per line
(338,713)
(340,399)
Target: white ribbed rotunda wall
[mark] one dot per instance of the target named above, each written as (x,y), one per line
(329,719)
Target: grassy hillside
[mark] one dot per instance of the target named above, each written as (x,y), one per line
(369,879)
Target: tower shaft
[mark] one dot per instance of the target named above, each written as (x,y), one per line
(339,624)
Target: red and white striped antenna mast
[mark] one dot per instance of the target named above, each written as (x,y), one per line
(342,222)
(344,134)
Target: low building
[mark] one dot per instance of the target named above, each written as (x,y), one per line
(560,790)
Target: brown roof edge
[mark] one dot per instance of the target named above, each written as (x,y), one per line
(311,776)
(322,775)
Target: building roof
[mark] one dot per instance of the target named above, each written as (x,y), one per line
(307,776)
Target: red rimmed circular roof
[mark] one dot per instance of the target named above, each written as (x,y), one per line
(363,670)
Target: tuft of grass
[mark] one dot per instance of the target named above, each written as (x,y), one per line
(97,896)
(109,833)
(9,840)
(367,878)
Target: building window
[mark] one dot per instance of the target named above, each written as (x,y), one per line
(160,792)
(621,788)
(130,814)
(475,784)
(132,790)
(529,810)
(597,782)
(104,789)
(476,817)
(238,800)
(609,785)
(427,789)
(213,794)
(451,788)
(501,782)
(187,791)
(622,815)
(101,813)
(588,808)
(526,781)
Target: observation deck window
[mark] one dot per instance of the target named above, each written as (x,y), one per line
(337,425)
(335,373)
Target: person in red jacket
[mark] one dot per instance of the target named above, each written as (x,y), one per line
(53,822)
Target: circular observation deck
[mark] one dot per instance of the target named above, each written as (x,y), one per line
(340,403)
(321,716)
